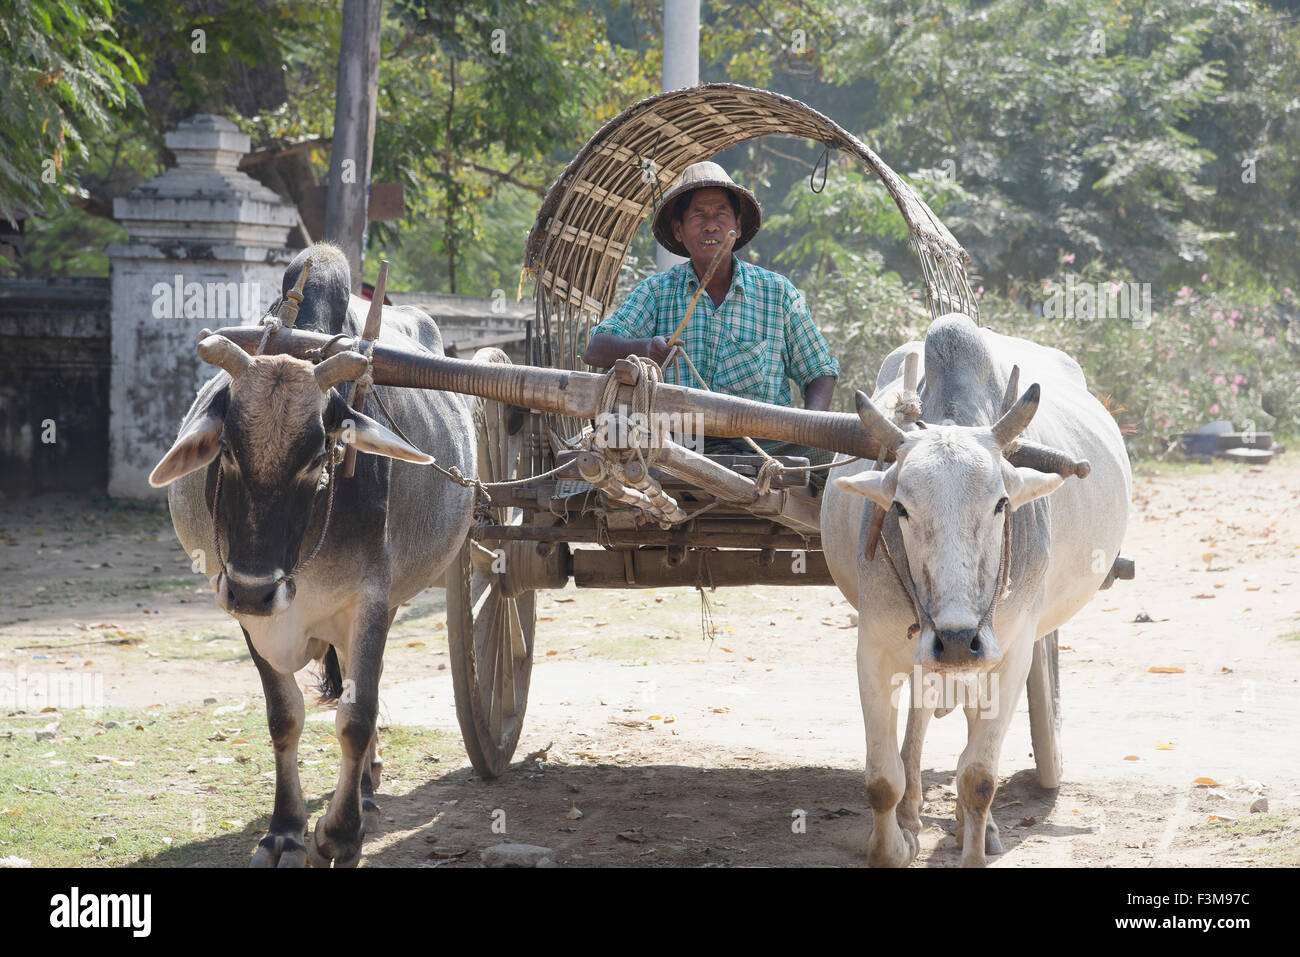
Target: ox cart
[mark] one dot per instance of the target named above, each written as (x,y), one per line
(653,512)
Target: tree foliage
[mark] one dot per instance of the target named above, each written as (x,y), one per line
(63,75)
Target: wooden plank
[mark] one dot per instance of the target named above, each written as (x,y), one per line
(592,568)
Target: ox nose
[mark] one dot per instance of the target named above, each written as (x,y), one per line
(958,648)
(254,596)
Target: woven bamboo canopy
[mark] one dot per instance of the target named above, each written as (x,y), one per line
(592,212)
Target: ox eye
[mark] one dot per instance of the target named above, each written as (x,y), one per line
(898,508)
(1002,503)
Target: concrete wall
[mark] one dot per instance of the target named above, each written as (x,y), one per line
(54,382)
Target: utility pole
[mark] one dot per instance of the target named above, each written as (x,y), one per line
(681,69)
(354,131)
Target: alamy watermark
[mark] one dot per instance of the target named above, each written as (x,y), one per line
(947,689)
(21,690)
(625,430)
(1083,301)
(179,299)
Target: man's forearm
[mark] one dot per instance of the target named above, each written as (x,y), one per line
(817,393)
(605,349)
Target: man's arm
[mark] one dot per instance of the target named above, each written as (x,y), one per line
(605,348)
(817,393)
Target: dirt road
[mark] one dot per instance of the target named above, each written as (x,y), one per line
(748,750)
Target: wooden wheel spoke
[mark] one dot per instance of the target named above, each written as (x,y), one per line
(517,645)
(490,636)
(509,615)
(498,690)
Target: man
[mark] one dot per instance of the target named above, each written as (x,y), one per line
(750,333)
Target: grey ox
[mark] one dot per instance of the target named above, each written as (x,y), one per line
(313,565)
(951,499)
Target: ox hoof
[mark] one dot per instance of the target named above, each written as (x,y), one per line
(909,822)
(992,843)
(279,850)
(324,850)
(901,854)
(369,816)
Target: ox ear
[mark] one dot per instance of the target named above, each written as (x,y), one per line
(368,435)
(197,446)
(877,486)
(1026,484)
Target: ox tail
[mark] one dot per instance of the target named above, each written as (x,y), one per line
(331,679)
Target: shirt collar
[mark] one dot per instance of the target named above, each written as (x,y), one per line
(740,275)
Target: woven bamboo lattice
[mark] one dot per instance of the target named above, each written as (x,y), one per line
(592,212)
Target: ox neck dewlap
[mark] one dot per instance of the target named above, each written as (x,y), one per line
(334,458)
(909,586)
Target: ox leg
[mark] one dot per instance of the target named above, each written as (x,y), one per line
(889,845)
(977,769)
(909,809)
(283,845)
(339,832)
(371,771)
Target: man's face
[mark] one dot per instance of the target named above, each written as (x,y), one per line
(705,223)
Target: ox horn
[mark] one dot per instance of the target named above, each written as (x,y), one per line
(340,368)
(1013,388)
(1013,423)
(220,351)
(879,428)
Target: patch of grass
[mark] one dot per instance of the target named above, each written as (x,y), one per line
(184,799)
(1292,636)
(1282,832)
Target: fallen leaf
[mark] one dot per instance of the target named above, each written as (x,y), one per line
(1028,821)
(656,717)
(1203,595)
(727,650)
(1163,670)
(1162,746)
(1216,817)
(1131,757)
(634,836)
(551,652)
(108,759)
(415,644)
(1206,782)
(721,710)
(565,598)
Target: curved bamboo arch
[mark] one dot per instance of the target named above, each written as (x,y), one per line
(591,213)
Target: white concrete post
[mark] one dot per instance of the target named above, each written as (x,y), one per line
(681,69)
(205,247)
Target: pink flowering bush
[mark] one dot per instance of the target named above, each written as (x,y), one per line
(1207,354)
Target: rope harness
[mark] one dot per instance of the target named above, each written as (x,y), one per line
(1000,591)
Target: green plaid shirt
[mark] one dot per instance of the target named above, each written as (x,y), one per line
(751,346)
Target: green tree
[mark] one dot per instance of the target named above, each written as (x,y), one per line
(63,76)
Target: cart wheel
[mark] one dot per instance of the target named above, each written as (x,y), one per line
(489,629)
(1044,691)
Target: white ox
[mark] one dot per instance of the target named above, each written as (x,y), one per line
(944,498)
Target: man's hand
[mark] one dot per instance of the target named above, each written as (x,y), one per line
(658,350)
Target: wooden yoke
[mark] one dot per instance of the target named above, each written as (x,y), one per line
(374,318)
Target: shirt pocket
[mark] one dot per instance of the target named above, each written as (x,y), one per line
(745,367)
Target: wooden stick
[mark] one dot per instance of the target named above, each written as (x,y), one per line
(368,336)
